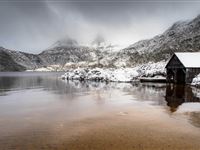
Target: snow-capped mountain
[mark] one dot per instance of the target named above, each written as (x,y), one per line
(180,37)
(65,51)
(65,42)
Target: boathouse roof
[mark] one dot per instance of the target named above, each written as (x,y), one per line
(189,59)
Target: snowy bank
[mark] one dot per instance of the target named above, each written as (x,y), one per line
(99,74)
(196,81)
(50,68)
(150,70)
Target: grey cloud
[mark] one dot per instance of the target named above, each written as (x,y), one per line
(34,25)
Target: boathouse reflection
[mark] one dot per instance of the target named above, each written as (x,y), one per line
(178,94)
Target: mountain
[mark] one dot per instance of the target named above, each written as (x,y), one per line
(7,63)
(18,61)
(180,37)
(60,53)
(66,50)
(65,42)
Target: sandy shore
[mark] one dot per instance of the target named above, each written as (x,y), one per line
(128,129)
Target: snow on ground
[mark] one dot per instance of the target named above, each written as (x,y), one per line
(48,68)
(99,74)
(196,92)
(196,80)
(152,70)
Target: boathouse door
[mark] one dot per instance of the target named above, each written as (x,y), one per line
(180,76)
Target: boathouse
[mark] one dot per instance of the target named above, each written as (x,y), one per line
(183,67)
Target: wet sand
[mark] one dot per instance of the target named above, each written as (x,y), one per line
(128,129)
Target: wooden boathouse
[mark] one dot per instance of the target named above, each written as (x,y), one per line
(183,67)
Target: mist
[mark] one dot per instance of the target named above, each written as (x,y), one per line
(33,26)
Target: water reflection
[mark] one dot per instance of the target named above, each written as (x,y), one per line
(179,94)
(31,80)
(185,100)
(195,119)
(51,87)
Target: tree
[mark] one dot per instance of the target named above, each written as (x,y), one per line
(98,49)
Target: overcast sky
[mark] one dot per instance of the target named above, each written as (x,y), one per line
(34,25)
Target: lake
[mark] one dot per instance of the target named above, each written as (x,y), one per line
(41,111)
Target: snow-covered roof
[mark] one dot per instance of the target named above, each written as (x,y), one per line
(189,59)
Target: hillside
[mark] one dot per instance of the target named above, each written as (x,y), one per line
(59,54)
(18,61)
(180,37)
(62,54)
(7,63)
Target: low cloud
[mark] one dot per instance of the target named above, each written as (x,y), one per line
(34,26)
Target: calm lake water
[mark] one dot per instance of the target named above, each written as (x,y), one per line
(36,104)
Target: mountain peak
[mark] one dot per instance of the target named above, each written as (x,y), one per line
(65,42)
